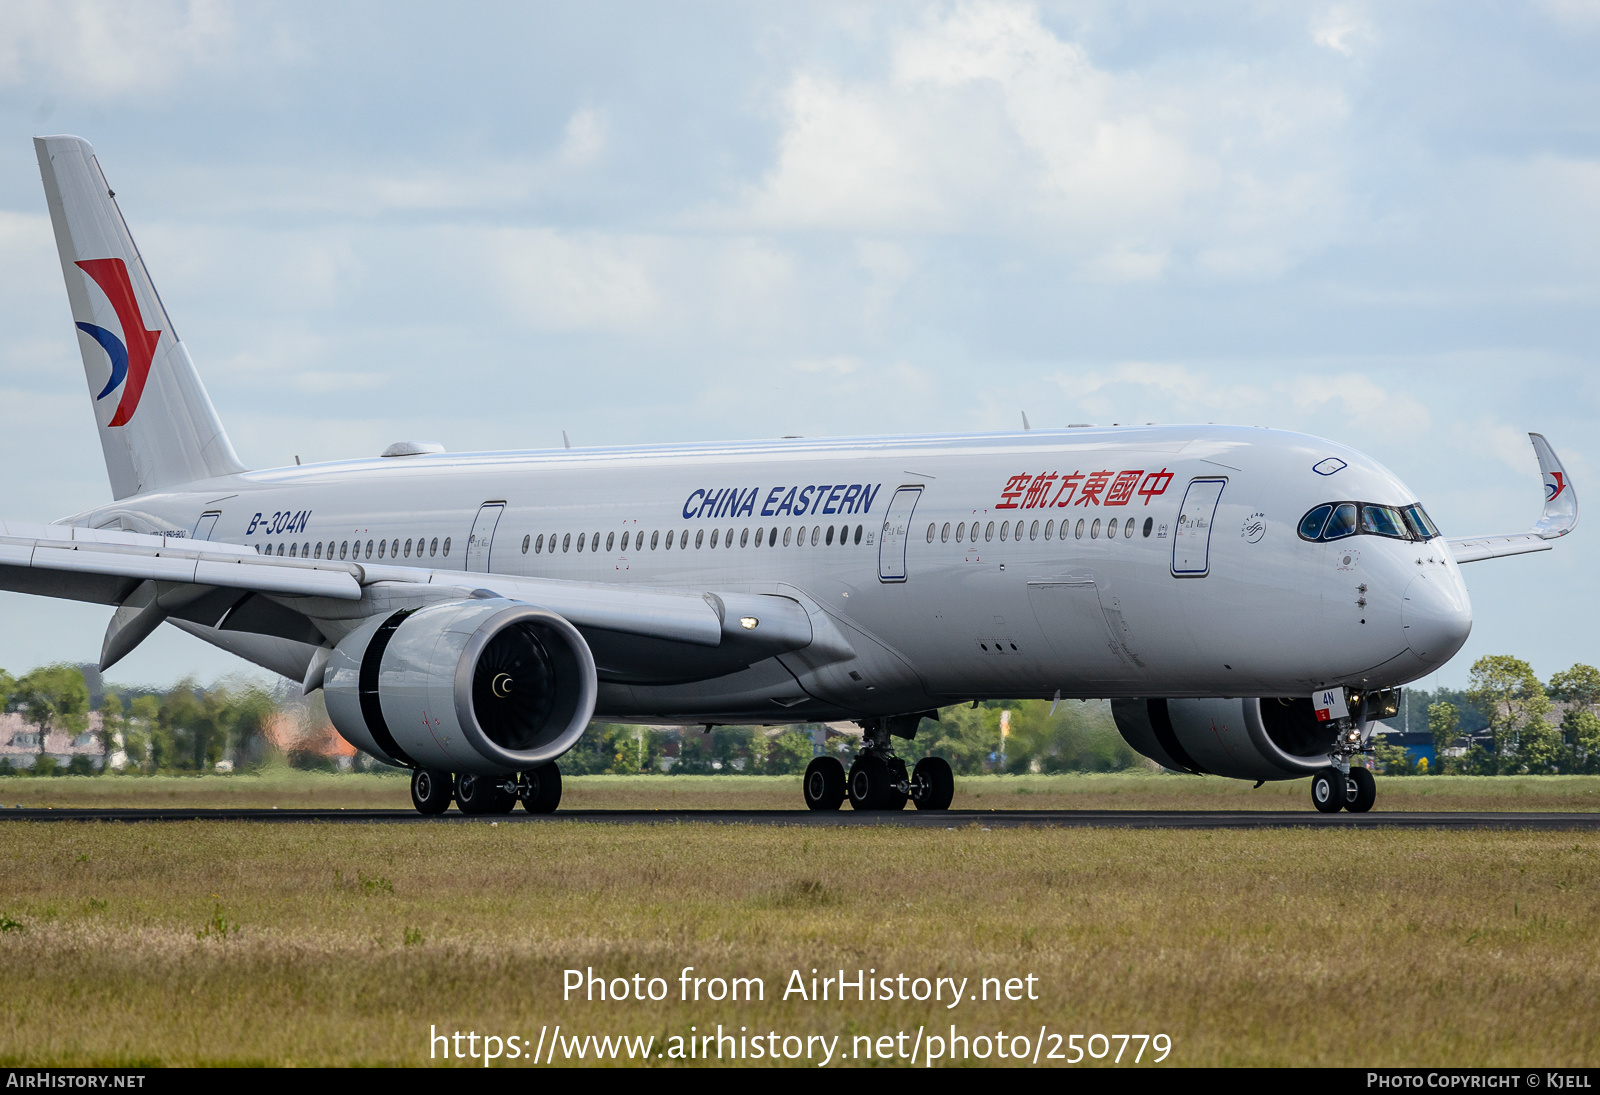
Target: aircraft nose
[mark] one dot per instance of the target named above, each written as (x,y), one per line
(1436,616)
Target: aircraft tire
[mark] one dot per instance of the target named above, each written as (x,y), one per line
(893,799)
(432,790)
(933,777)
(869,784)
(824,784)
(1328,791)
(478,795)
(545,789)
(1364,793)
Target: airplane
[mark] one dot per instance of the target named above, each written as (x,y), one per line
(1249,600)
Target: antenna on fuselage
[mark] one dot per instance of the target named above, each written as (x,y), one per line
(1025,421)
(564,442)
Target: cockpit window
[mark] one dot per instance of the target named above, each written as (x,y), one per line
(1383,521)
(1343,522)
(1311,524)
(1336,520)
(1421,525)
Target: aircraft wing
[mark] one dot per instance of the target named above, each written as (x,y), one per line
(1559,518)
(211,588)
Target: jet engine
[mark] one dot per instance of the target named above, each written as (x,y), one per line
(1249,738)
(489,686)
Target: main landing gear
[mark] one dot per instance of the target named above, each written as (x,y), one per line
(539,791)
(878,779)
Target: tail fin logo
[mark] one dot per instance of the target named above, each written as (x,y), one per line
(130,362)
(1552,491)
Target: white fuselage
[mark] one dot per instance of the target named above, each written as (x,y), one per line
(866,531)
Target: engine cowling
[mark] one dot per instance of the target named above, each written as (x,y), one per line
(1245,738)
(487,686)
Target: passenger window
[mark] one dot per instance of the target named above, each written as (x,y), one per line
(669,539)
(318,553)
(446,551)
(1127,528)
(653,537)
(961,532)
(699,537)
(294,551)
(566,543)
(611,538)
(1004,528)
(1016,531)
(988,533)
(369,549)
(538,545)
(1111,530)
(931,528)
(816,533)
(1078,532)
(1149,522)
(786,537)
(858,532)
(1311,524)
(527,542)
(1342,523)
(582,536)
(1048,525)
(944,533)
(714,533)
(1033,531)
(744,536)
(1094,530)
(972,533)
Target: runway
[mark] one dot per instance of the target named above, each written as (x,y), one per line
(910,819)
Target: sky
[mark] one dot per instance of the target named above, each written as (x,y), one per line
(484,224)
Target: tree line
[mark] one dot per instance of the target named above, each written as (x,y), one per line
(1505,722)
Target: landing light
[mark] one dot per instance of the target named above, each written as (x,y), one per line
(748,622)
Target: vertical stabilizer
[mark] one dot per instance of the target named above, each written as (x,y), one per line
(157,425)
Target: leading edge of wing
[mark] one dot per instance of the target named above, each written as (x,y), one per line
(80,553)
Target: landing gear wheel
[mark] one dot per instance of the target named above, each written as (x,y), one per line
(893,797)
(869,783)
(1329,791)
(824,784)
(933,784)
(477,794)
(544,789)
(432,790)
(1363,791)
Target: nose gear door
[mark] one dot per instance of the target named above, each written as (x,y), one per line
(1191,542)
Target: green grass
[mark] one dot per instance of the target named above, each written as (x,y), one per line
(289,788)
(216,943)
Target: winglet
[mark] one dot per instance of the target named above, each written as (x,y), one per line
(1560,500)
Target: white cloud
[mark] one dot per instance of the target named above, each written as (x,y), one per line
(1344,30)
(987,122)
(101,49)
(585,138)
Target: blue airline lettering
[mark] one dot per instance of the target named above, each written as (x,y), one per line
(828,498)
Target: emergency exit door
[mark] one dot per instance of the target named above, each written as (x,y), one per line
(481,541)
(892,537)
(1191,542)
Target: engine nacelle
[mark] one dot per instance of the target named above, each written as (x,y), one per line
(1242,738)
(488,686)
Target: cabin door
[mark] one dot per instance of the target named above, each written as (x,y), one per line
(482,538)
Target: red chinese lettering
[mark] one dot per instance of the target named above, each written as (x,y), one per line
(1155,484)
(1069,483)
(1038,489)
(1092,486)
(1121,492)
(1015,486)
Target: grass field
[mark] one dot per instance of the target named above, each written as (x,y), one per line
(210,943)
(289,788)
